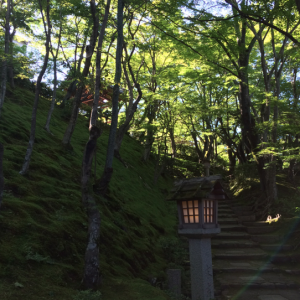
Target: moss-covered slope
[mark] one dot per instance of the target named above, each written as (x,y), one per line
(43,228)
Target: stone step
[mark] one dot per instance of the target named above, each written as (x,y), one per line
(252,267)
(278,258)
(226,215)
(257,223)
(247,218)
(232,236)
(244,266)
(260,294)
(229,202)
(244,213)
(261,230)
(230,227)
(252,262)
(266,238)
(232,255)
(233,244)
(261,281)
(224,206)
(245,270)
(241,208)
(225,211)
(276,247)
(228,221)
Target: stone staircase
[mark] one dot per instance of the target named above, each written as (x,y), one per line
(250,261)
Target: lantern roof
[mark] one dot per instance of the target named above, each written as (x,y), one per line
(208,187)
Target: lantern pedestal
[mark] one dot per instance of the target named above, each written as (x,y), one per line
(202,282)
(201,269)
(199,233)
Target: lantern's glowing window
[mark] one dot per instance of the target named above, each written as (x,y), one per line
(190,211)
(208,211)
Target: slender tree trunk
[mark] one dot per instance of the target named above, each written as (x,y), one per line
(71,90)
(132,107)
(125,126)
(108,169)
(152,109)
(231,157)
(4,61)
(47,126)
(91,259)
(149,140)
(10,66)
(11,45)
(89,53)
(291,169)
(160,165)
(73,85)
(1,174)
(91,267)
(173,143)
(298,5)
(198,150)
(94,115)
(28,154)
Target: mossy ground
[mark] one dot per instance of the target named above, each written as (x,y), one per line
(43,228)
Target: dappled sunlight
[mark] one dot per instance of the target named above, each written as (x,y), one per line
(270,219)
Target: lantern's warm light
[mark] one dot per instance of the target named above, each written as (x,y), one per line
(208,211)
(190,211)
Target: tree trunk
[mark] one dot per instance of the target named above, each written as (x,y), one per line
(149,141)
(28,154)
(151,109)
(71,89)
(108,169)
(124,127)
(231,157)
(173,143)
(4,61)
(132,107)
(94,115)
(47,126)
(89,53)
(160,165)
(10,66)
(1,174)
(268,178)
(200,154)
(73,85)
(11,45)
(291,171)
(91,265)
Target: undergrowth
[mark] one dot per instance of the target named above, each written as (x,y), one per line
(246,188)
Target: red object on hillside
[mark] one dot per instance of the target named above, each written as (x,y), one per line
(104,98)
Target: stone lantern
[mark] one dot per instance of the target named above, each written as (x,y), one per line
(197,203)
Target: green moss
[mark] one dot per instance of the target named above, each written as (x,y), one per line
(44,227)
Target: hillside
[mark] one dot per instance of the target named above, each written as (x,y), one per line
(44,228)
